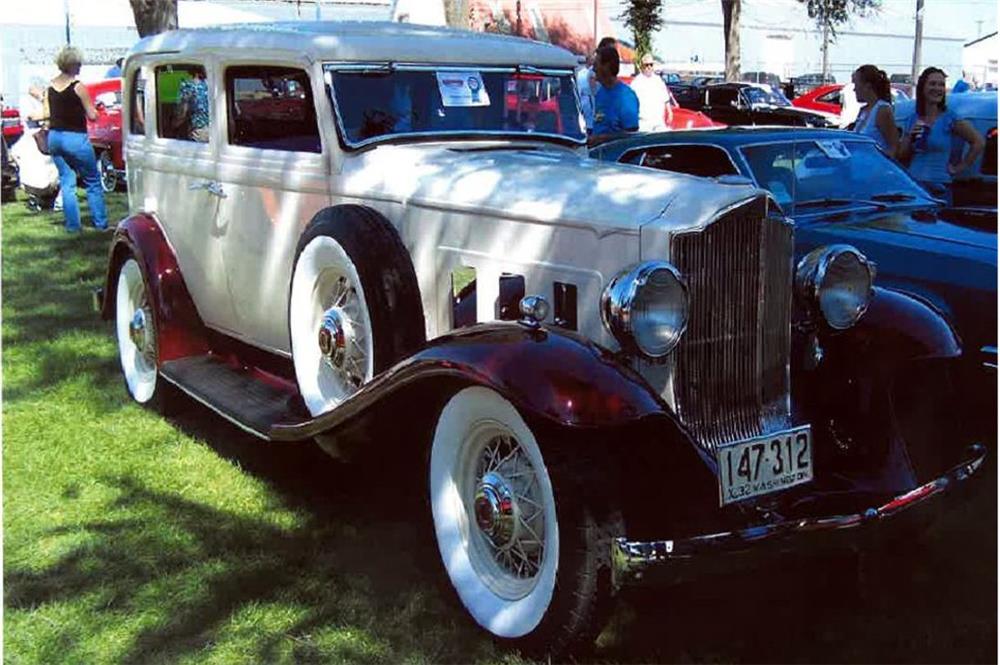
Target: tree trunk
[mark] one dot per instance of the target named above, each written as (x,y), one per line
(731,28)
(456,13)
(154,16)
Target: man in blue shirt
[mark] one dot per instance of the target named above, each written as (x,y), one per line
(616,107)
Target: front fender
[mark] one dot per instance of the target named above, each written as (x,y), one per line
(898,328)
(179,329)
(554,375)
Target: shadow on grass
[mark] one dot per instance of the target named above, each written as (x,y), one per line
(353,578)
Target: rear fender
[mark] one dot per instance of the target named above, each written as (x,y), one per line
(180,330)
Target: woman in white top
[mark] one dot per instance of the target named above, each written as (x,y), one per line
(875,119)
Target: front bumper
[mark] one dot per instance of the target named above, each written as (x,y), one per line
(666,561)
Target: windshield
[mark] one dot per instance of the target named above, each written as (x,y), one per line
(761,96)
(392,101)
(828,171)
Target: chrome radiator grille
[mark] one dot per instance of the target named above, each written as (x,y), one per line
(731,378)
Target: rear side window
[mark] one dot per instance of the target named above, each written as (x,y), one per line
(182,103)
(137,123)
(271,108)
(722,96)
(700,160)
(832,97)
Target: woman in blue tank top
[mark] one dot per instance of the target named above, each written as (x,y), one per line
(928,138)
(875,119)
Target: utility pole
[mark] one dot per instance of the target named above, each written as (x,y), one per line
(918,37)
(595,25)
(826,51)
(66,12)
(518,11)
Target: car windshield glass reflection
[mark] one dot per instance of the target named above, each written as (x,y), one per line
(759,96)
(393,102)
(844,172)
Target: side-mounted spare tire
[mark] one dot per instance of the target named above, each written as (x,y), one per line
(354,306)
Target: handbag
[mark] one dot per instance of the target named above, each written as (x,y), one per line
(42,141)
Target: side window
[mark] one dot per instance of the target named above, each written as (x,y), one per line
(722,97)
(272,108)
(700,160)
(182,103)
(137,124)
(832,97)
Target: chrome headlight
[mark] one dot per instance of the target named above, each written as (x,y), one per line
(836,280)
(646,308)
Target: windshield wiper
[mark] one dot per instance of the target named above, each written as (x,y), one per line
(833,202)
(894,196)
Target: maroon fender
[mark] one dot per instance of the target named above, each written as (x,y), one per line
(899,327)
(553,374)
(180,331)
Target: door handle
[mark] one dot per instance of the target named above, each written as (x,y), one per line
(210,186)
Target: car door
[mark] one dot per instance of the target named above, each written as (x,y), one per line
(275,178)
(175,169)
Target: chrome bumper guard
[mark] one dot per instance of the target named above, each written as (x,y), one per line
(634,561)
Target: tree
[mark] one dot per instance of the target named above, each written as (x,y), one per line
(643,18)
(456,13)
(829,14)
(154,16)
(731,30)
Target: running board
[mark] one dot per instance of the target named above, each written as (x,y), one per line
(235,394)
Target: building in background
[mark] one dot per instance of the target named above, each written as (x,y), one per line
(979,60)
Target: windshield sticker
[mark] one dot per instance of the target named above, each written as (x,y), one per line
(462,89)
(834,149)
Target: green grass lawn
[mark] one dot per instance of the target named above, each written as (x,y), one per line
(131,538)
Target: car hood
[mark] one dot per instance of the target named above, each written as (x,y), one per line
(791,112)
(944,228)
(543,185)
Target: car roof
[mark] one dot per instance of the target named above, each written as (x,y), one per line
(363,41)
(731,137)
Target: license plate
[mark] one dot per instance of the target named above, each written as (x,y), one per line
(765,464)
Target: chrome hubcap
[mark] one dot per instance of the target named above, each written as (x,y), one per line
(137,329)
(496,510)
(335,334)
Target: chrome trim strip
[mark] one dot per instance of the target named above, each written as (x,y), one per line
(249,342)
(631,559)
(991,361)
(200,400)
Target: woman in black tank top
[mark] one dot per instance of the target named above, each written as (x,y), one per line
(68,107)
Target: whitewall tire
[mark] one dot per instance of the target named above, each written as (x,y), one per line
(136,332)
(504,580)
(331,335)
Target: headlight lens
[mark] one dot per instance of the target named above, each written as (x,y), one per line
(646,308)
(837,280)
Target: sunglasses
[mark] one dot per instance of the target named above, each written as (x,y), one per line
(646,65)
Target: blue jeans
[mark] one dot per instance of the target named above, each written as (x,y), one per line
(72,153)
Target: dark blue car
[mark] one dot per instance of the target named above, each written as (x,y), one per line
(839,188)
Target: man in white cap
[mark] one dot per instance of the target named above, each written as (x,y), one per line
(655,114)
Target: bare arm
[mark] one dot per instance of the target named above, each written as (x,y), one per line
(88,105)
(45,105)
(886,123)
(976,142)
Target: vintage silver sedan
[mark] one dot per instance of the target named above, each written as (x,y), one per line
(604,369)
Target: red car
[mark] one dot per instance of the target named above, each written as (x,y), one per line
(828,98)
(106,132)
(682,118)
(12,128)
